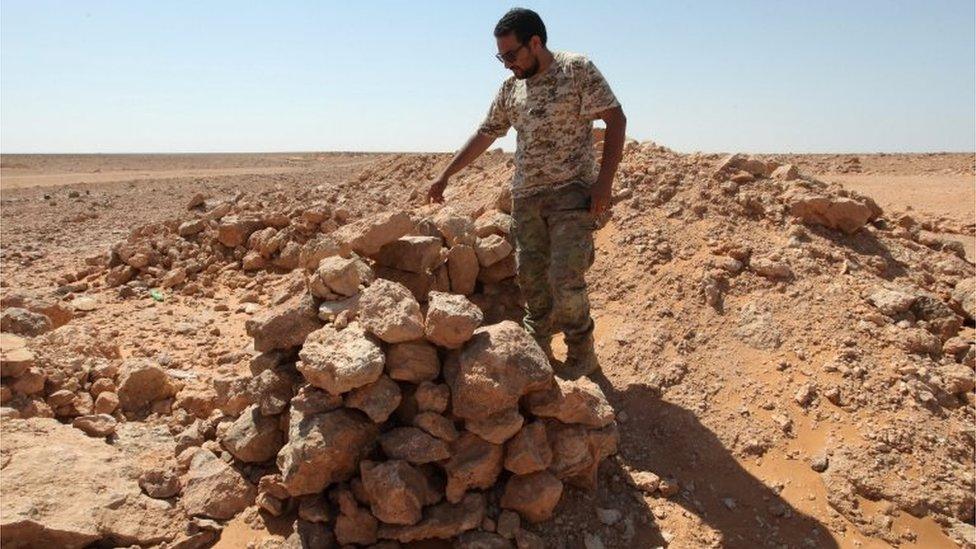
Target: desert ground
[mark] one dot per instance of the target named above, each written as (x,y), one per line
(786,340)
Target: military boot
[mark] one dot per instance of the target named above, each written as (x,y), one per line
(581,359)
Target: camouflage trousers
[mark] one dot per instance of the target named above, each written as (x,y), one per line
(553,250)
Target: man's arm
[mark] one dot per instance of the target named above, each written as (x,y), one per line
(477,144)
(613,149)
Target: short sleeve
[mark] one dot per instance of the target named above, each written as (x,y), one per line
(596,95)
(497,122)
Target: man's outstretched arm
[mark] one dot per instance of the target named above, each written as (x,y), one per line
(613,150)
(477,144)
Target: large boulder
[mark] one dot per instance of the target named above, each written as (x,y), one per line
(499,365)
(213,489)
(835,212)
(388,310)
(323,448)
(451,319)
(340,360)
(141,383)
(285,325)
(64,489)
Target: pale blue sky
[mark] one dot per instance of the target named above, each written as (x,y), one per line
(760,76)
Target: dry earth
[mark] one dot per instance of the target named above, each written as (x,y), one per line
(755,363)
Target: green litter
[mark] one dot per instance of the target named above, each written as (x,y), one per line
(156,294)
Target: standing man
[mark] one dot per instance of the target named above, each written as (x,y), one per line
(558,191)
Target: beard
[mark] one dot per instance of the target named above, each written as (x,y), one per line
(527,73)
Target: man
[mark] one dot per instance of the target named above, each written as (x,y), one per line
(557,191)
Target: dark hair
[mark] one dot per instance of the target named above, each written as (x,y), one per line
(524,23)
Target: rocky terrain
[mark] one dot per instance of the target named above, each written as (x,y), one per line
(296,351)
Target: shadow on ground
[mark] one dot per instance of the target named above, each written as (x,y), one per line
(670,441)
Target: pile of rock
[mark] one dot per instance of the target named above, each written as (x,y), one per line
(445,250)
(413,421)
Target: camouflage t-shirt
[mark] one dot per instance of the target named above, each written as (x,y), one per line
(553,113)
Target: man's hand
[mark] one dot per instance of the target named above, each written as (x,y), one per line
(599,200)
(436,192)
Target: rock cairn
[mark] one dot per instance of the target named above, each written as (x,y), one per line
(408,421)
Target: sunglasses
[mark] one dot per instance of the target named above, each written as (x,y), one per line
(509,56)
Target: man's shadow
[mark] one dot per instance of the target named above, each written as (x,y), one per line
(671,442)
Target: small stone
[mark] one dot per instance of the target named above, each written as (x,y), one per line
(819,462)
(98,425)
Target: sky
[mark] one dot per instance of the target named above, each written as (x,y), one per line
(219,76)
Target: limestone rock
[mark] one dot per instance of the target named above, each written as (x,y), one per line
(20,321)
(492,249)
(323,448)
(835,212)
(413,445)
(141,383)
(455,227)
(474,463)
(451,319)
(388,310)
(498,427)
(96,425)
(496,367)
(442,521)
(285,325)
(413,361)
(378,399)
(533,496)
(252,437)
(579,401)
(462,269)
(340,360)
(396,490)
(528,451)
(335,275)
(367,236)
(213,489)
(416,254)
(891,302)
(64,489)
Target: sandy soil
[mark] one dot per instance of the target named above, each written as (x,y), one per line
(58,210)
